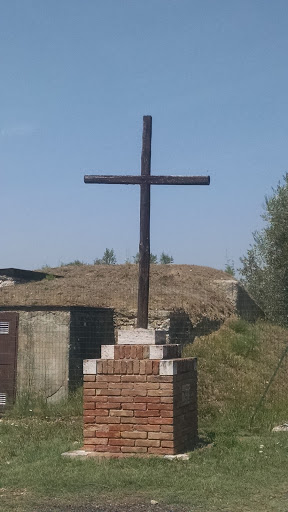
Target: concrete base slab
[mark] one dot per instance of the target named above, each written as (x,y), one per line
(73,454)
(180,456)
(281,428)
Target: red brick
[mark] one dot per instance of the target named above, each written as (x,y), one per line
(107,419)
(89,433)
(89,378)
(142,368)
(117,412)
(167,444)
(167,414)
(132,419)
(122,399)
(134,435)
(107,405)
(148,428)
(99,398)
(152,385)
(121,428)
(88,419)
(135,407)
(160,407)
(118,352)
(166,385)
(110,367)
(136,366)
(99,440)
(129,367)
(133,449)
(90,385)
(88,447)
(167,428)
(133,378)
(108,448)
(89,405)
(159,378)
(140,387)
(89,413)
(139,352)
(160,421)
(155,367)
(109,392)
(167,399)
(132,352)
(161,435)
(117,368)
(149,399)
(147,442)
(131,392)
(102,412)
(127,351)
(127,385)
(104,367)
(99,367)
(123,367)
(161,451)
(109,433)
(88,392)
(122,442)
(145,414)
(108,378)
(122,385)
(159,392)
(148,367)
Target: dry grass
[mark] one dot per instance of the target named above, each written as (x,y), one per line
(172,287)
(239,469)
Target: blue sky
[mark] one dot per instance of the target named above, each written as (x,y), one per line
(77,78)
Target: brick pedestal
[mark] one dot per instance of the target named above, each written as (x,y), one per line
(140,398)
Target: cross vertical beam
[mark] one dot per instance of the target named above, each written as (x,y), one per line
(145,180)
(144,244)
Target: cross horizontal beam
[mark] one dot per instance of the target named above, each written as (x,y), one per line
(148,180)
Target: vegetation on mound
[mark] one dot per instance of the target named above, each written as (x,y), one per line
(235,365)
(235,467)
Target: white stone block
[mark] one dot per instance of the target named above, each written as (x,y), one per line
(141,337)
(156,351)
(107,351)
(168,367)
(89,366)
(164,351)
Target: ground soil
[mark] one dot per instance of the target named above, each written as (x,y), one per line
(115,507)
(172,287)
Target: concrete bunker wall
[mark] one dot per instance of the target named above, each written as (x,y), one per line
(43,353)
(52,343)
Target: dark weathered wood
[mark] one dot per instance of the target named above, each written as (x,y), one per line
(145,181)
(151,180)
(144,244)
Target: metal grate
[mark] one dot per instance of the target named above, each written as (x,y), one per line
(4,327)
(2,399)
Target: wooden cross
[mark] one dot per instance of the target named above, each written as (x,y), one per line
(145,180)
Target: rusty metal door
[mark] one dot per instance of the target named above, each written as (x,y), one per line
(8,357)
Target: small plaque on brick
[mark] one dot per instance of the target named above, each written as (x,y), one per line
(186,394)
